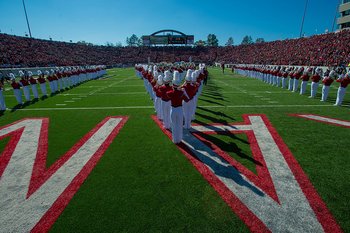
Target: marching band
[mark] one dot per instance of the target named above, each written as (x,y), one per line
(174,88)
(59,79)
(280,74)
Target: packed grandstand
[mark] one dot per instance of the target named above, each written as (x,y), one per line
(330,49)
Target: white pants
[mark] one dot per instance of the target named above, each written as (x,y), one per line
(176,124)
(18,95)
(159,108)
(51,87)
(303,87)
(187,110)
(2,101)
(284,82)
(166,113)
(145,84)
(278,81)
(43,88)
(35,91)
(274,81)
(69,82)
(295,85)
(340,95)
(194,106)
(26,93)
(314,87)
(60,83)
(325,90)
(55,85)
(290,84)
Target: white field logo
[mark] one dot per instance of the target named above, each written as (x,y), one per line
(31,196)
(280,198)
(324,119)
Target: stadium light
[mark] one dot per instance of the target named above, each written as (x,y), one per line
(335,15)
(25,12)
(302,22)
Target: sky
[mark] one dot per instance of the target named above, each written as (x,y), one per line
(101,21)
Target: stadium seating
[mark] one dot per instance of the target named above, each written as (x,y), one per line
(322,50)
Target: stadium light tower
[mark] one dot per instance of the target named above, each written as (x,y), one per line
(302,22)
(25,12)
(336,14)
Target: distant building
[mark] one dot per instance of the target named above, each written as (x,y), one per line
(344,10)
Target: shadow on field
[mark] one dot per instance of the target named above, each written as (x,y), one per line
(210,118)
(221,114)
(217,97)
(220,169)
(210,101)
(20,106)
(332,100)
(26,104)
(229,146)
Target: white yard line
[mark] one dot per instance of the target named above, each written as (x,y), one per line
(255,92)
(111,85)
(150,107)
(136,85)
(104,93)
(241,90)
(123,93)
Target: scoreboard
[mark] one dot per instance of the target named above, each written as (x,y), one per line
(167,39)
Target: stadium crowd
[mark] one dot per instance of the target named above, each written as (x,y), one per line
(27,52)
(174,89)
(331,49)
(321,50)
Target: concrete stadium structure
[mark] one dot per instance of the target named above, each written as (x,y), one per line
(344,19)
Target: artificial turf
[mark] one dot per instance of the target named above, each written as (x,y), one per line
(143,183)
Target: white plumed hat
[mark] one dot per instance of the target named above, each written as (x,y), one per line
(167,76)
(189,75)
(160,80)
(12,77)
(21,74)
(176,79)
(194,76)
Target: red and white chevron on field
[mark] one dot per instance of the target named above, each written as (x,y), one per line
(31,196)
(280,198)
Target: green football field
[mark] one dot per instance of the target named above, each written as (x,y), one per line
(143,182)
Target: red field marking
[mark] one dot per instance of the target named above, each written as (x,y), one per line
(36,205)
(324,119)
(260,219)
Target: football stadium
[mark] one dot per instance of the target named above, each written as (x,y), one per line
(175,129)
